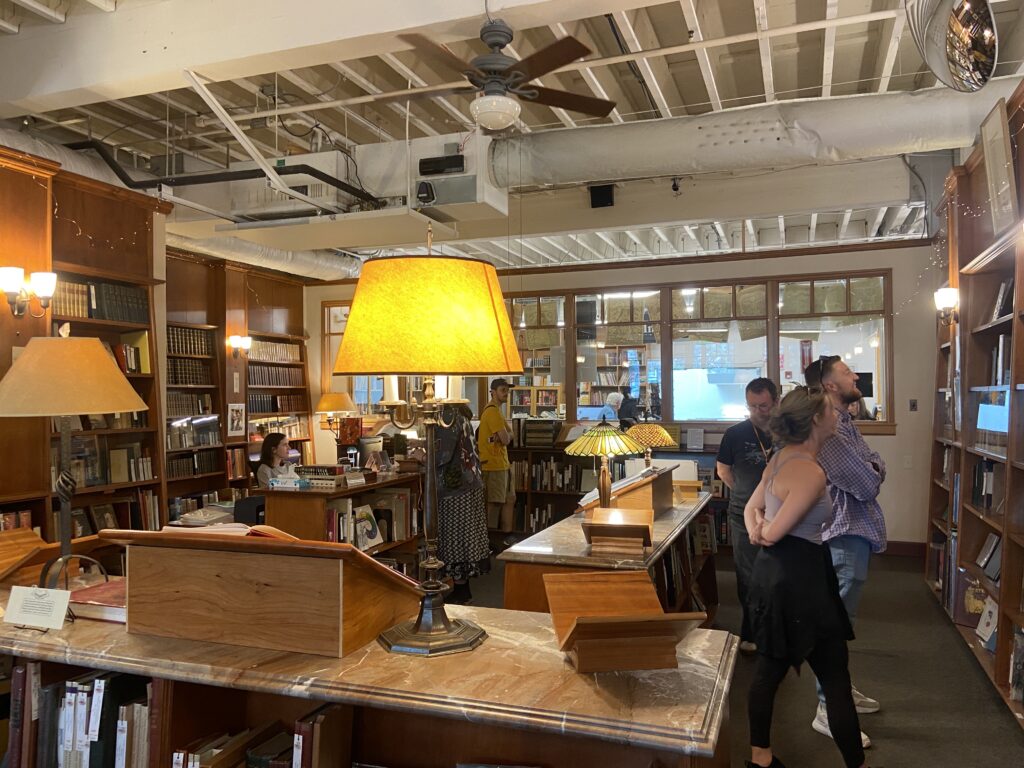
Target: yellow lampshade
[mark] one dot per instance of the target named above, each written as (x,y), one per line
(604,440)
(421,315)
(57,376)
(336,402)
(651,435)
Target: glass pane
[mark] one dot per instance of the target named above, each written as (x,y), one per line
(712,363)
(830,295)
(858,339)
(616,308)
(795,298)
(751,301)
(337,317)
(685,304)
(619,359)
(646,306)
(543,355)
(552,310)
(718,301)
(867,294)
(589,310)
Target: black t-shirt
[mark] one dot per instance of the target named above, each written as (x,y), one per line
(744,448)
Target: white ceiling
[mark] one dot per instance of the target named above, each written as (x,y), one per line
(699,56)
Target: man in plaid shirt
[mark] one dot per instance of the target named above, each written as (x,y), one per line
(855,474)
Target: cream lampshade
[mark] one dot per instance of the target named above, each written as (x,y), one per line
(336,402)
(604,440)
(427,316)
(56,376)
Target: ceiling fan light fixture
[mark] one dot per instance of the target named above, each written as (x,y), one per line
(495,113)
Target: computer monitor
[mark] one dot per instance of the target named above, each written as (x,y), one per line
(866,383)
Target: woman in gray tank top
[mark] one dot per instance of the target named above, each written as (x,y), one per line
(794,604)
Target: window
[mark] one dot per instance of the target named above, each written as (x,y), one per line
(539,326)
(366,391)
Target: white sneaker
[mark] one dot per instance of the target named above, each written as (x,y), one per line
(747,647)
(865,704)
(820,724)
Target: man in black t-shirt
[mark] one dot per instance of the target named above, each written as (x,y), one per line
(742,456)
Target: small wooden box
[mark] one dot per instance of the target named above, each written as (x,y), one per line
(687,489)
(612,621)
(301,596)
(610,530)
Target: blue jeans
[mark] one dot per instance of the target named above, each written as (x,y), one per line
(850,556)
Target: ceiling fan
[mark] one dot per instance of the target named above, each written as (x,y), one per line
(499,76)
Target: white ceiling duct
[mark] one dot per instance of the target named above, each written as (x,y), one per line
(782,134)
(319,265)
(75,162)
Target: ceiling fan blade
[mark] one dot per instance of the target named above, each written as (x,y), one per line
(576,102)
(437,55)
(561,52)
(400,96)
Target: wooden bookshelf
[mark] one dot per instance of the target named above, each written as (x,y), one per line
(979,412)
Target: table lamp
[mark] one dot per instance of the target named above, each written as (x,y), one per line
(427,316)
(604,440)
(337,406)
(650,435)
(56,376)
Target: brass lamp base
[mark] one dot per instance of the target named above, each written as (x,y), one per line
(432,633)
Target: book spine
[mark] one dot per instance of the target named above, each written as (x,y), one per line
(17,717)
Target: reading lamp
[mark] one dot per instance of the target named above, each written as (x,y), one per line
(427,316)
(56,376)
(946,301)
(604,440)
(650,436)
(333,404)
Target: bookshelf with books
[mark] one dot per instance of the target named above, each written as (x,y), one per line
(277,392)
(976,479)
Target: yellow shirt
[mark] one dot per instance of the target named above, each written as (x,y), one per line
(493,456)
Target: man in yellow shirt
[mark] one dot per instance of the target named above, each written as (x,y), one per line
(492,443)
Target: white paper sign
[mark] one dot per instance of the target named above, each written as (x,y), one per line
(355,478)
(37,607)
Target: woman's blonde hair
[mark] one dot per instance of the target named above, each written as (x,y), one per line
(793,419)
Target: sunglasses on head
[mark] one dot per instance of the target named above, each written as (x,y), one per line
(825,363)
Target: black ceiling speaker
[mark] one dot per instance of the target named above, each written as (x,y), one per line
(602,196)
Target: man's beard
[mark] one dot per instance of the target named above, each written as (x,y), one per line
(852,396)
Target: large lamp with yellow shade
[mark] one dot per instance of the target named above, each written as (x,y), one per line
(427,316)
(606,441)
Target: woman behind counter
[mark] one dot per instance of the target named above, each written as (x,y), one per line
(462,543)
(273,459)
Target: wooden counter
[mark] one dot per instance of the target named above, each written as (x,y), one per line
(514,700)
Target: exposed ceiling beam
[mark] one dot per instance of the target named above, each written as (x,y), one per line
(530,246)
(664,237)
(559,247)
(765,47)
(9,23)
(588,75)
(581,243)
(831,11)
(55,15)
(812,232)
(636,239)
(879,218)
(646,72)
(107,6)
(133,130)
(891,51)
(751,232)
(614,245)
(691,233)
(402,109)
(491,250)
(703,58)
(847,214)
(395,63)
(254,90)
(303,84)
(80,126)
(782,230)
(145,115)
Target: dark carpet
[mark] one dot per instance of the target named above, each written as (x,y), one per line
(938,707)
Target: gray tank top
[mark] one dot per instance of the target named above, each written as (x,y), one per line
(811,525)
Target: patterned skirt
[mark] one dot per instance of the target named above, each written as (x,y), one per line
(462,542)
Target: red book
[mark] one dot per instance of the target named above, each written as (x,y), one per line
(104,601)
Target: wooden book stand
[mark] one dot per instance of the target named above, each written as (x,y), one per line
(612,621)
(614,531)
(687,489)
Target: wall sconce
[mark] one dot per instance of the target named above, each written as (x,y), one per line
(238,344)
(946,301)
(41,285)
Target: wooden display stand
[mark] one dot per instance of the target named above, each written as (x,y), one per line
(611,531)
(307,597)
(653,491)
(687,489)
(610,622)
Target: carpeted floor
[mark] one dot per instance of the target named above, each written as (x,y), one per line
(938,707)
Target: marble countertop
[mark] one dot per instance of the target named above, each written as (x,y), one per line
(564,544)
(518,678)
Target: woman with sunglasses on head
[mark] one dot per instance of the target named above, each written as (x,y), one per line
(796,612)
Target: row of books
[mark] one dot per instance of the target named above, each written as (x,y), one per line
(537,362)
(136,420)
(90,465)
(984,484)
(90,720)
(392,517)
(138,512)
(194,432)
(202,463)
(1017,665)
(275,352)
(101,301)
(237,463)
(276,403)
(189,341)
(552,475)
(188,404)
(607,359)
(539,518)
(188,372)
(1000,368)
(990,556)
(701,536)
(274,376)
(535,433)
(289,426)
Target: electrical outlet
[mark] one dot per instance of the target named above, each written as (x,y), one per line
(913,406)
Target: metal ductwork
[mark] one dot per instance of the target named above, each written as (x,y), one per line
(319,265)
(783,134)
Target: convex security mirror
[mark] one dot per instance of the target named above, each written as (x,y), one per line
(957,40)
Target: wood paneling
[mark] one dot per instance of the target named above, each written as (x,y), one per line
(274,305)
(236,323)
(193,292)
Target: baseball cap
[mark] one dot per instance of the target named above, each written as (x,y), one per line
(499,383)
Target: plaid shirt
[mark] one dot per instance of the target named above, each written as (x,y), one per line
(853,484)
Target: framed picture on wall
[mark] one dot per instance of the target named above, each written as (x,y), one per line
(236,419)
(1002,190)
